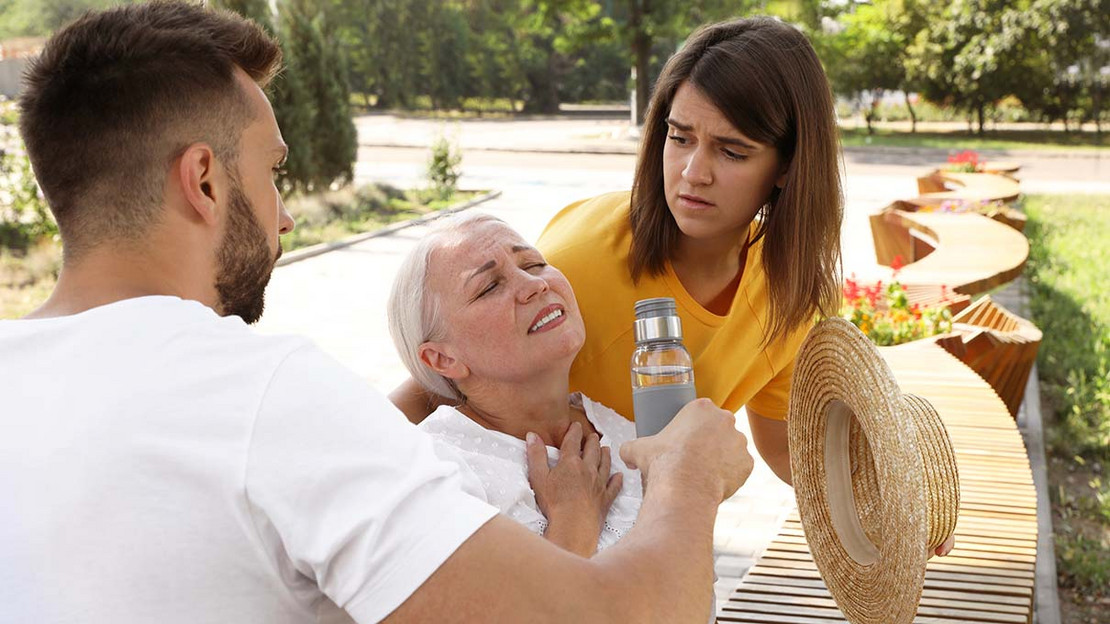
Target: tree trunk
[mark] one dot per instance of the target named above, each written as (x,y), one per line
(913,115)
(980,109)
(641,58)
(872,111)
(642,51)
(543,92)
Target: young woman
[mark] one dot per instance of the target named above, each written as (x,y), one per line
(735,212)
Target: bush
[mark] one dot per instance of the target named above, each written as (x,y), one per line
(25,219)
(443,168)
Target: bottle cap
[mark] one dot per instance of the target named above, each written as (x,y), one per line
(657,319)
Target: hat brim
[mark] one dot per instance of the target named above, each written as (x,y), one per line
(864,489)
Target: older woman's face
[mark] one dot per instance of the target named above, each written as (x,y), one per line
(508,315)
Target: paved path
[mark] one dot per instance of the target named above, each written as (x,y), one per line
(338,299)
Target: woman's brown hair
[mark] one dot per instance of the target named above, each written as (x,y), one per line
(765,78)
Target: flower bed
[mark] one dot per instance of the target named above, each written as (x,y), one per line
(885,314)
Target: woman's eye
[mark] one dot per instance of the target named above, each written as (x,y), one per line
(731,155)
(487,290)
(677,139)
(535,265)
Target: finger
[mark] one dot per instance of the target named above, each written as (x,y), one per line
(536,453)
(613,488)
(605,466)
(572,441)
(947,546)
(591,451)
(630,452)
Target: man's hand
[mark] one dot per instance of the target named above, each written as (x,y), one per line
(576,494)
(944,548)
(701,447)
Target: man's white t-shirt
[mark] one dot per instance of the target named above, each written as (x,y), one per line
(159,463)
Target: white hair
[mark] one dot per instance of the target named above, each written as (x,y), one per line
(414,311)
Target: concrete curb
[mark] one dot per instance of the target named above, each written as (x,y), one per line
(939,154)
(1047,606)
(1046,609)
(323,248)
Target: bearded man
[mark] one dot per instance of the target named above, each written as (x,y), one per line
(161,462)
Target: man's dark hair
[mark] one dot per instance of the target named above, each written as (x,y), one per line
(117,95)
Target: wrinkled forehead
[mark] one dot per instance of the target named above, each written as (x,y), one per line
(468,248)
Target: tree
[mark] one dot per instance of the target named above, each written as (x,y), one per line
(257,10)
(311,96)
(1069,43)
(317,71)
(39,18)
(869,52)
(970,56)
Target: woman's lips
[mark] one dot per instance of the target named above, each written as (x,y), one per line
(694,202)
(550,324)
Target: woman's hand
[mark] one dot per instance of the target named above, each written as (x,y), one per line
(575,495)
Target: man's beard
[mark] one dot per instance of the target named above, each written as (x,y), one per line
(244,261)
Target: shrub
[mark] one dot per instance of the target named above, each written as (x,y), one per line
(443,168)
(25,219)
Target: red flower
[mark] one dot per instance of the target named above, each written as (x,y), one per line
(897,264)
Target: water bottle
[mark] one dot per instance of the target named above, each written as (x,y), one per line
(662,371)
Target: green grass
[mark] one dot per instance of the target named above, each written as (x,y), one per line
(1068,259)
(421,106)
(331,216)
(27,277)
(1047,140)
(1069,255)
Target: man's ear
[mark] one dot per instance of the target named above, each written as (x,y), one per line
(196,172)
(434,355)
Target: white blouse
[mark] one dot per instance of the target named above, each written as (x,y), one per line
(494,467)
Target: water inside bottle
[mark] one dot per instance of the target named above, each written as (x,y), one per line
(647,376)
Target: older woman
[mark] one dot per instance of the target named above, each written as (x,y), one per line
(481,320)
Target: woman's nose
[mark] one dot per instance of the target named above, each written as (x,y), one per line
(698,171)
(531,286)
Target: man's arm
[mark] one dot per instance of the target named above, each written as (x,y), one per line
(414,401)
(662,571)
(770,438)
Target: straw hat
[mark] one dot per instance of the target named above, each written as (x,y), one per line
(874,474)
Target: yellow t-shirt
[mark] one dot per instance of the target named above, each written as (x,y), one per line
(589,241)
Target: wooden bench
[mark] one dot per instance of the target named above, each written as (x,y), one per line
(998,345)
(989,576)
(967,253)
(1001,212)
(1000,167)
(969,186)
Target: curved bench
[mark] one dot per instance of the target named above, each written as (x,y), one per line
(997,344)
(999,211)
(968,253)
(969,186)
